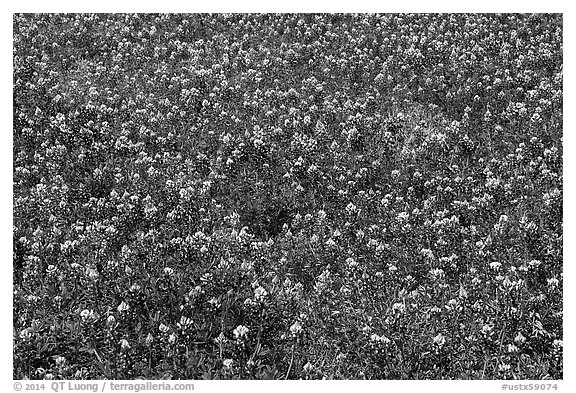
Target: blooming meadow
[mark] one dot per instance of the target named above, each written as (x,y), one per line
(283,196)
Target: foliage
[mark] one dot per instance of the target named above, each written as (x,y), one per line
(287,196)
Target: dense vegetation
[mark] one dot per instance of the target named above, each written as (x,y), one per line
(287,196)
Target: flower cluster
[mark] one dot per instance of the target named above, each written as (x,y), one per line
(287,196)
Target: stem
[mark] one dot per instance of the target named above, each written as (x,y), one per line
(291,362)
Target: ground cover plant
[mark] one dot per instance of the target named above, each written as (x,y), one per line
(287,196)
